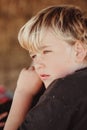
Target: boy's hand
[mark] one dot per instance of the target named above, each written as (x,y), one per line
(29,81)
(2,116)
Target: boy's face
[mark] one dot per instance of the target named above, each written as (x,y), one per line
(55,59)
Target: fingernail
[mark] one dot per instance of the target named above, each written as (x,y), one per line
(32,68)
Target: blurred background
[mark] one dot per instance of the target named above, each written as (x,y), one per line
(13,15)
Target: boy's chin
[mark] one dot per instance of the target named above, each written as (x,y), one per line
(47,83)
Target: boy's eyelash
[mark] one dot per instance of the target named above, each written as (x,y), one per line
(33,56)
(46,51)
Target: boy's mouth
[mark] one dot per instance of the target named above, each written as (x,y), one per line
(44,76)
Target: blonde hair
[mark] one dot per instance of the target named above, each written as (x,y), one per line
(67,22)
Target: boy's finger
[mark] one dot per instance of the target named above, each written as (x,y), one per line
(31,68)
(3,115)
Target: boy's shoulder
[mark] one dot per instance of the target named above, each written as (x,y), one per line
(71,88)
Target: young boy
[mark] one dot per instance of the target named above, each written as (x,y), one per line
(56,39)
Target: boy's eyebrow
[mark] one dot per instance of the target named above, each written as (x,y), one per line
(43,47)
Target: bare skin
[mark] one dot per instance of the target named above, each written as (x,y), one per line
(28,85)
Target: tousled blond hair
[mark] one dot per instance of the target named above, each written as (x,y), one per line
(67,22)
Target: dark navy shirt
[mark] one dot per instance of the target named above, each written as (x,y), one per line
(63,105)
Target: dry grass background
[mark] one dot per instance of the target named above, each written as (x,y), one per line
(13,14)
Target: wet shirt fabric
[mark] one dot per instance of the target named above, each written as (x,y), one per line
(63,106)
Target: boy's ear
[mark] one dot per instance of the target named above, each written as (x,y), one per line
(80,51)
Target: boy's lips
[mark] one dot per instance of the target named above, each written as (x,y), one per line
(44,76)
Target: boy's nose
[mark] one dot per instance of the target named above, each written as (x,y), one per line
(38,59)
(38,63)
(39,66)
